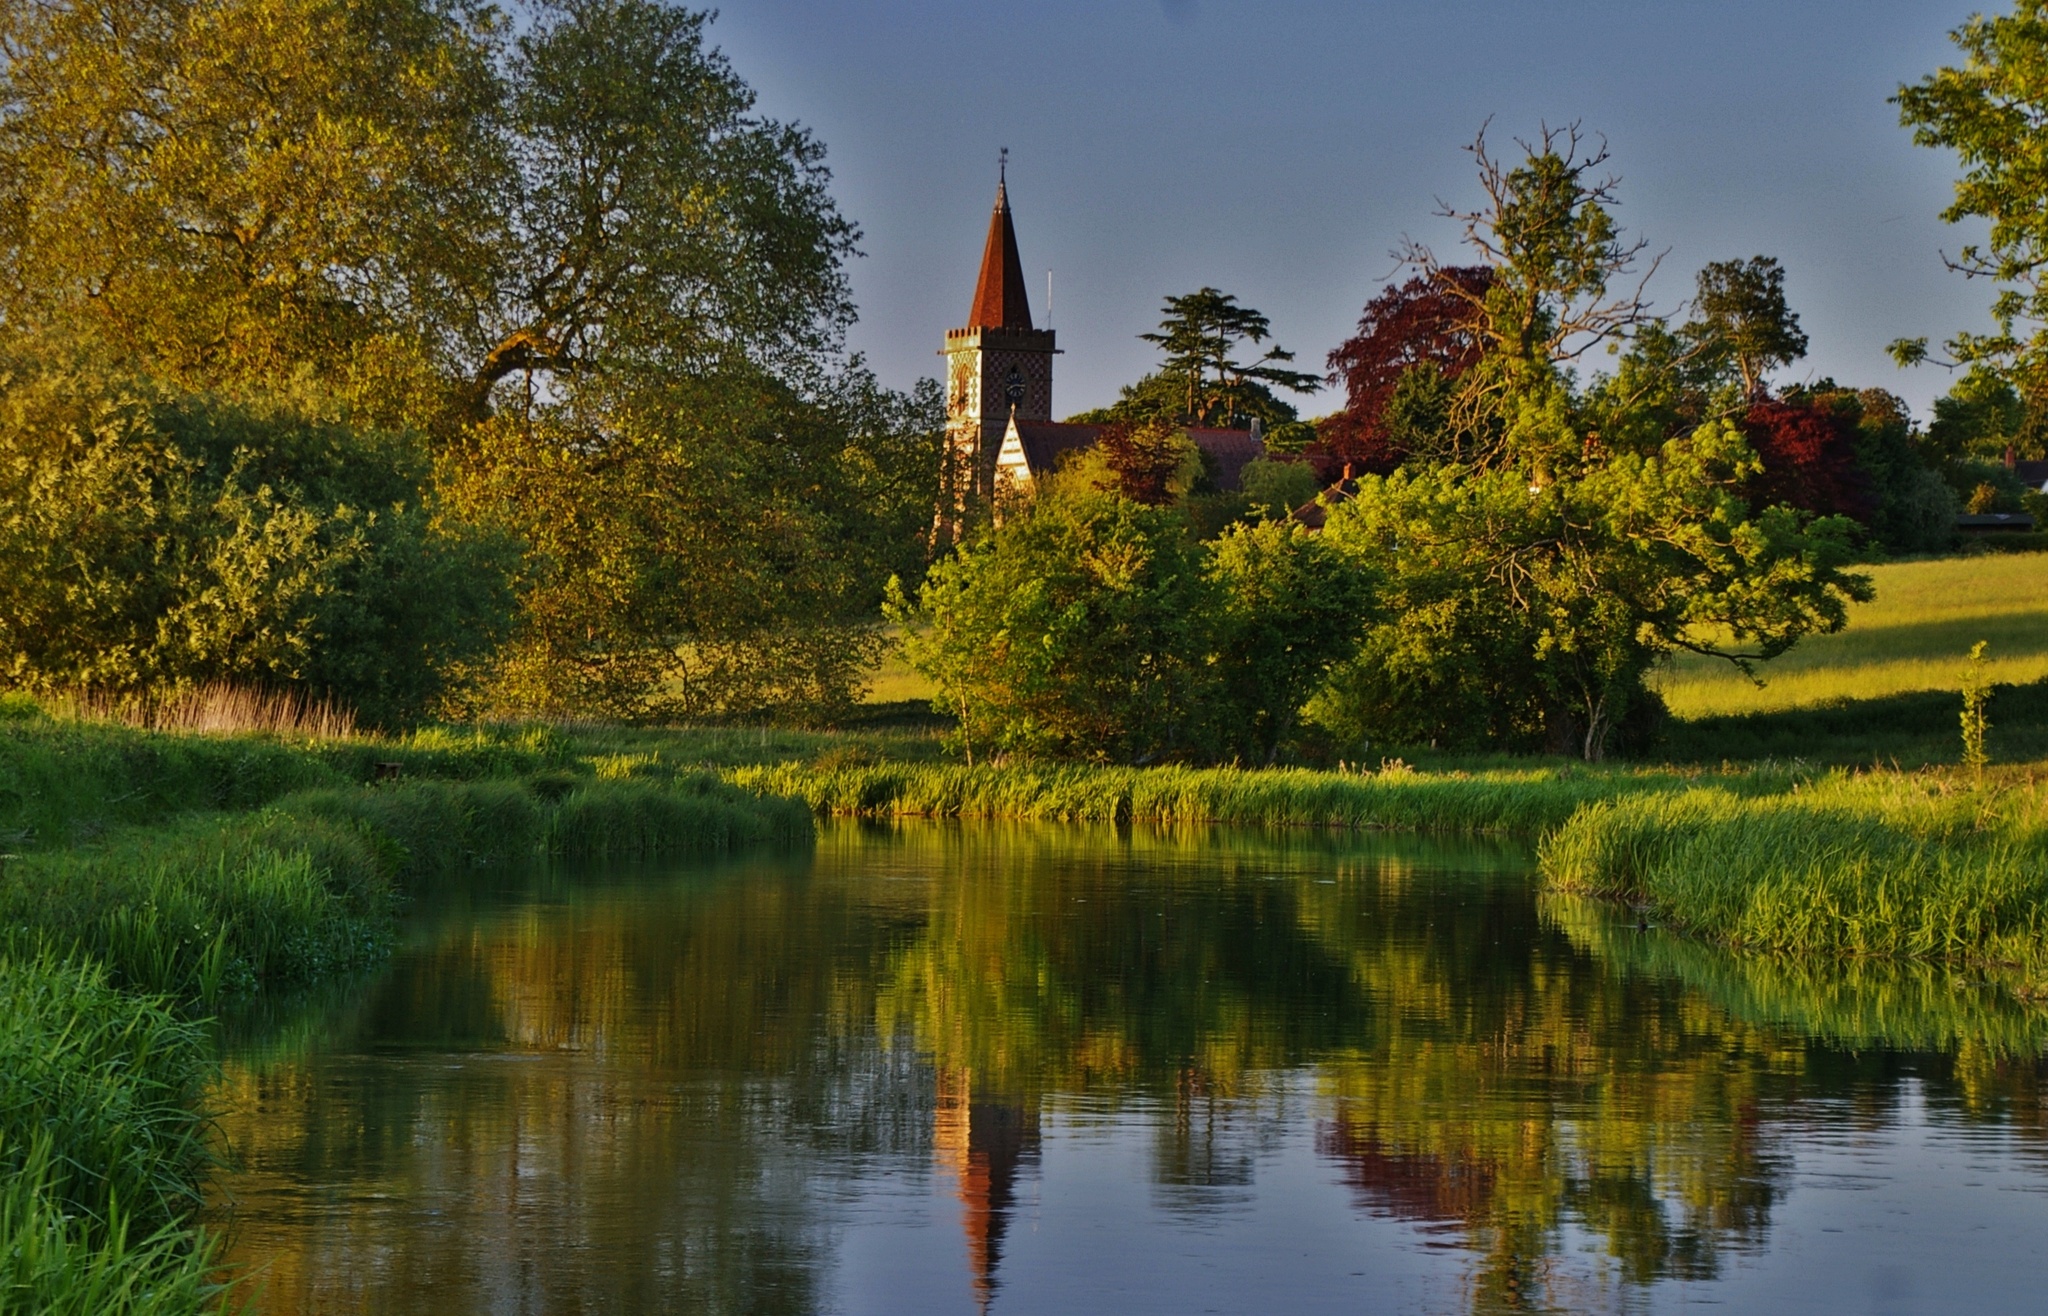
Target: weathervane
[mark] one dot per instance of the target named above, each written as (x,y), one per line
(1003,165)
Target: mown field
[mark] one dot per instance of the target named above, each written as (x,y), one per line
(1913,636)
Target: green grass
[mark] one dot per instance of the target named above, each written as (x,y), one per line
(101,1150)
(1886,865)
(1907,730)
(1912,636)
(1527,801)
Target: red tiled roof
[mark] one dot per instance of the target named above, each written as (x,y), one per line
(999,297)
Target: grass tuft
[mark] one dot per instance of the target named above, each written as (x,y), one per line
(1879,865)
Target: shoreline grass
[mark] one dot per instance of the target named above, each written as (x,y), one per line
(1527,801)
(1876,865)
(145,874)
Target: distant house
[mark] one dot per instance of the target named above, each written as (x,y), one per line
(2032,474)
(1032,450)
(1993,523)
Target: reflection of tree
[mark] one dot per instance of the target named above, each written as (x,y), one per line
(1508,1086)
(657,1061)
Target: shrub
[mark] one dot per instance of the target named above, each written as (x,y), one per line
(1082,626)
(151,539)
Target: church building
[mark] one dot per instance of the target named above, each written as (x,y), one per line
(999,427)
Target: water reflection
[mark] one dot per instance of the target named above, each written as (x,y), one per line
(909,1071)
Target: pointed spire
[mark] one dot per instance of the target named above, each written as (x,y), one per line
(999,298)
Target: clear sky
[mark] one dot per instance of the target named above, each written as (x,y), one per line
(1280,150)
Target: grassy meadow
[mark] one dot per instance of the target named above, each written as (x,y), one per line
(1913,636)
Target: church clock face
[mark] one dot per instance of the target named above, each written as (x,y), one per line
(1013,389)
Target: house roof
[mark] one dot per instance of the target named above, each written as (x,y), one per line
(1231,450)
(2035,474)
(999,297)
(1316,511)
(1045,443)
(1995,521)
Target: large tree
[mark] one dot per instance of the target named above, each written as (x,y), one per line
(1201,335)
(565,247)
(1991,112)
(1742,319)
(1565,280)
(1426,322)
(1527,584)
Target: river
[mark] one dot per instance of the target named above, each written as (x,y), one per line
(1018,1068)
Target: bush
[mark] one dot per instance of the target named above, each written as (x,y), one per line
(1081,626)
(151,539)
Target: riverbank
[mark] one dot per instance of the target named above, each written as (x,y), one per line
(1521,801)
(1933,866)
(149,877)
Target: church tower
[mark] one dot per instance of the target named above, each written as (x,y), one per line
(996,366)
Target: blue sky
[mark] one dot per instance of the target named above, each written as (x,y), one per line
(1280,150)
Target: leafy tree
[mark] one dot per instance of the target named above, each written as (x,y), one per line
(1200,336)
(651,222)
(1419,323)
(180,181)
(1507,614)
(1743,319)
(1275,488)
(591,196)
(1150,462)
(1989,111)
(1981,416)
(1533,571)
(566,247)
(1289,609)
(1082,626)
(1807,456)
(715,548)
(153,540)
(1555,252)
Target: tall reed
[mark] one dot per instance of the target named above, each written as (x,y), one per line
(1529,801)
(214,709)
(1886,866)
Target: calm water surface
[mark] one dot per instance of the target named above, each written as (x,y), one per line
(1043,1069)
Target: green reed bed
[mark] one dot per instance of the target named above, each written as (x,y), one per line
(100,1148)
(1884,865)
(1528,801)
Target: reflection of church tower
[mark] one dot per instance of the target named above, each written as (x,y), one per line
(997,364)
(984,1144)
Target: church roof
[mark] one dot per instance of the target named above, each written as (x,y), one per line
(999,297)
(1231,450)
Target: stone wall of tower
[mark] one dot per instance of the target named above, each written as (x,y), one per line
(983,368)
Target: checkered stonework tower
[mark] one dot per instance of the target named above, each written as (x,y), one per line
(996,366)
